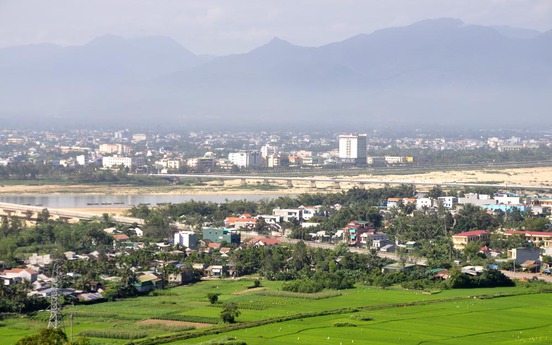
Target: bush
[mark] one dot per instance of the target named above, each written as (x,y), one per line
(344,324)
(213,297)
(489,278)
(362,317)
(303,286)
(229,312)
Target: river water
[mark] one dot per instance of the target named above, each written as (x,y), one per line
(83,200)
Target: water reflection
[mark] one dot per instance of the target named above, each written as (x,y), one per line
(81,200)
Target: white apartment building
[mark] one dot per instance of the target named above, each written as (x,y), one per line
(139,137)
(424,202)
(287,214)
(201,163)
(352,148)
(448,201)
(119,149)
(127,162)
(268,150)
(395,159)
(169,164)
(187,239)
(273,161)
(245,158)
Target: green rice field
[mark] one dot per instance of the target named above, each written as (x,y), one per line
(364,315)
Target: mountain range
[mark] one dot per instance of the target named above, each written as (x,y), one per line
(435,73)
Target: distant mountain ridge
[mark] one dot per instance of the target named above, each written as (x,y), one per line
(432,73)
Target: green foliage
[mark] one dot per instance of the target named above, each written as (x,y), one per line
(47,336)
(362,317)
(472,217)
(489,278)
(319,282)
(344,324)
(225,341)
(113,334)
(213,297)
(229,312)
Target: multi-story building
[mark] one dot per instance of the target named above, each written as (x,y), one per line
(119,149)
(186,238)
(127,162)
(246,158)
(268,150)
(448,201)
(139,137)
(169,164)
(201,163)
(287,214)
(352,148)
(460,240)
(220,235)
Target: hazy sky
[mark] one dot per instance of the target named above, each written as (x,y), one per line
(231,26)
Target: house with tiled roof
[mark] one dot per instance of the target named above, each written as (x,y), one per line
(539,238)
(393,202)
(263,242)
(121,237)
(460,240)
(241,222)
(18,274)
(225,252)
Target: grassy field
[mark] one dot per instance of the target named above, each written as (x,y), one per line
(397,316)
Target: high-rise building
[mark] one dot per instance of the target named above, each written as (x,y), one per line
(268,150)
(352,148)
(245,158)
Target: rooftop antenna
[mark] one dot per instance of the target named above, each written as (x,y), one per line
(56,318)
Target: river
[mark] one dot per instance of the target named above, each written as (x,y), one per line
(83,200)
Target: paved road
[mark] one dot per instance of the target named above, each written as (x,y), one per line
(420,261)
(528,276)
(394,256)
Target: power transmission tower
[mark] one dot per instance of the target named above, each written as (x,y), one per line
(56,318)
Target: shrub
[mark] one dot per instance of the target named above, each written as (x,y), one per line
(213,297)
(229,312)
(344,324)
(362,317)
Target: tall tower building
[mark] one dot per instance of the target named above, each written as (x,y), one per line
(352,148)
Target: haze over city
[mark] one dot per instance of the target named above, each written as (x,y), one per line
(180,65)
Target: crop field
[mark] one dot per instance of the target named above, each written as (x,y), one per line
(363,315)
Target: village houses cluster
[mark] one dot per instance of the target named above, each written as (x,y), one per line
(239,231)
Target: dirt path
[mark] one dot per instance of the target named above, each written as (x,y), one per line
(249,290)
(173,323)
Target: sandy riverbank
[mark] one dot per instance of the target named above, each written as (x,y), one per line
(541,176)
